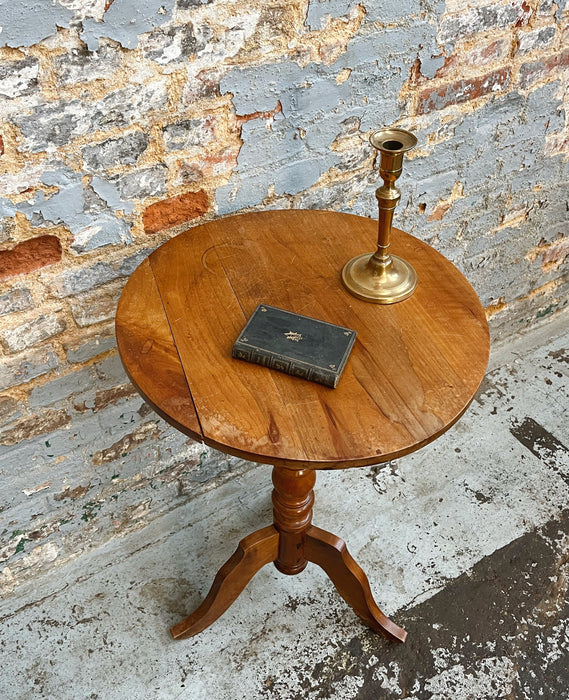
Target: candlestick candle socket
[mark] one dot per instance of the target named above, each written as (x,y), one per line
(380,277)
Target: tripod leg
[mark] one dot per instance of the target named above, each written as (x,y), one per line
(330,553)
(253,552)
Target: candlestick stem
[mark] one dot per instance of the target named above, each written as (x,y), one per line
(381,277)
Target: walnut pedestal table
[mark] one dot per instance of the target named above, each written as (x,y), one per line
(413,371)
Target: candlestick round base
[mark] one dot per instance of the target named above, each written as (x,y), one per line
(381,282)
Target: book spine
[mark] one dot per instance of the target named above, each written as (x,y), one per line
(293,367)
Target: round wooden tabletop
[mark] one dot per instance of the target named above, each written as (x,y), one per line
(413,371)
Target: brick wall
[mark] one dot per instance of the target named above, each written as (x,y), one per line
(122,122)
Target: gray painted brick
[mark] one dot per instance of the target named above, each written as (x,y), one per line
(80,65)
(61,388)
(259,88)
(33,332)
(242,191)
(88,216)
(390,51)
(53,124)
(458,26)
(432,189)
(321,96)
(338,196)
(19,78)
(262,150)
(58,123)
(80,280)
(17,299)
(125,107)
(27,22)
(390,11)
(105,192)
(19,370)
(97,305)
(322,134)
(21,463)
(119,419)
(110,372)
(191,4)
(124,22)
(543,106)
(104,230)
(168,44)
(430,61)
(536,39)
(148,182)
(188,133)
(313,103)
(298,175)
(124,150)
(320,10)
(90,348)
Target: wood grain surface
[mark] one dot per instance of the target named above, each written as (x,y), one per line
(149,355)
(413,371)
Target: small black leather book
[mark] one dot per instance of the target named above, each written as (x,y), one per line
(299,345)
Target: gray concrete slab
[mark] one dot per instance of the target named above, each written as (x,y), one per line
(465,543)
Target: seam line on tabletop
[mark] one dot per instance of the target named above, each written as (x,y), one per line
(176,346)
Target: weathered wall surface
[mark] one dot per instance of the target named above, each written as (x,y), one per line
(123,121)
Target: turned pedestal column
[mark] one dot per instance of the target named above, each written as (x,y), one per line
(293,499)
(290,543)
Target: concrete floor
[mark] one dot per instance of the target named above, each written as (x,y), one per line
(465,543)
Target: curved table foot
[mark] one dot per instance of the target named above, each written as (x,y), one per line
(330,553)
(253,552)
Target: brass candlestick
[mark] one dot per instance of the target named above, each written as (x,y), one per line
(380,277)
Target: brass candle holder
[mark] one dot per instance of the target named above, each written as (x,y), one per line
(380,277)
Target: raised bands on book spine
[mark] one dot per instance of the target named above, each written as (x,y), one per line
(296,368)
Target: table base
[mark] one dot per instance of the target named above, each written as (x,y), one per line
(290,543)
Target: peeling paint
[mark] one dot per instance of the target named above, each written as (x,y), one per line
(27,22)
(124,22)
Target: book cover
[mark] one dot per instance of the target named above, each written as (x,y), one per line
(298,345)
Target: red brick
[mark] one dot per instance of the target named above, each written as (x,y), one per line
(218,163)
(462,91)
(553,254)
(204,85)
(478,56)
(175,211)
(29,255)
(556,252)
(537,70)
(556,144)
(1,146)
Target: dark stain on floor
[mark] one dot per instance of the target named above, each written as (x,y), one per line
(561,355)
(500,630)
(541,443)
